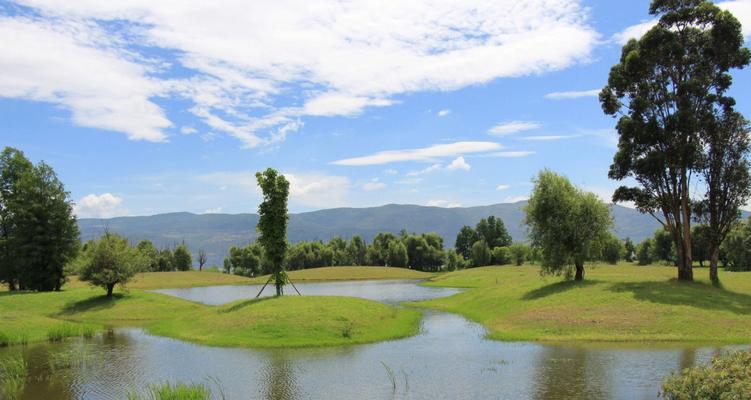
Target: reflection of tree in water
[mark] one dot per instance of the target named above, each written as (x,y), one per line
(568,373)
(687,359)
(279,377)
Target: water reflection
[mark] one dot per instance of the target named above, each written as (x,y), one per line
(448,359)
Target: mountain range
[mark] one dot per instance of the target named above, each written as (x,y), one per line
(215,233)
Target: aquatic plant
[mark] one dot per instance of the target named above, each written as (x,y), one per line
(67,358)
(66,330)
(390,374)
(13,371)
(174,391)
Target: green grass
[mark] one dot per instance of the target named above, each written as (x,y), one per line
(177,391)
(615,304)
(290,321)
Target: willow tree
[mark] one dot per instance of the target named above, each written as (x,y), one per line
(665,89)
(565,223)
(272,223)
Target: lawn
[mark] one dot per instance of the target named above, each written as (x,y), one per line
(614,303)
(291,321)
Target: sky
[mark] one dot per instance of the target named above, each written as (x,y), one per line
(145,107)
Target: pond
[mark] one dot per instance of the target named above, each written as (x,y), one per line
(448,359)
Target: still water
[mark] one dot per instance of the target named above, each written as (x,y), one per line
(448,359)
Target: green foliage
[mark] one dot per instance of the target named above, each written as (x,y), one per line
(629,250)
(149,251)
(272,223)
(726,377)
(565,223)
(700,243)
(165,260)
(494,232)
(454,261)
(645,252)
(737,247)
(38,232)
(303,255)
(424,251)
(464,241)
(519,253)
(397,254)
(111,261)
(357,251)
(69,329)
(669,90)
(664,248)
(13,371)
(481,255)
(611,249)
(501,256)
(182,258)
(244,261)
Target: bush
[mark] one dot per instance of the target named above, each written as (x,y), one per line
(519,253)
(480,254)
(726,377)
(501,256)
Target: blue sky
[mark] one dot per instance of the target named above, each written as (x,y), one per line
(145,107)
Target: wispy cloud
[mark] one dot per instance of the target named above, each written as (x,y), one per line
(502,187)
(543,138)
(374,184)
(510,154)
(509,128)
(347,58)
(425,154)
(575,94)
(444,112)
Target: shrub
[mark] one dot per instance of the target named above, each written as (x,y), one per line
(501,256)
(726,377)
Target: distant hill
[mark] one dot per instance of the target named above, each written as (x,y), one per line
(217,232)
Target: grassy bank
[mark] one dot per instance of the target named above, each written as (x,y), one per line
(283,322)
(614,303)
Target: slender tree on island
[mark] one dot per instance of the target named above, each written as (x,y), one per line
(566,224)
(272,223)
(667,90)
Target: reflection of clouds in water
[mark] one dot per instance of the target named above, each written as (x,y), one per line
(448,359)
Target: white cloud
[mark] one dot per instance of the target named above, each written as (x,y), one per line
(425,154)
(391,171)
(318,190)
(214,210)
(511,154)
(502,187)
(509,128)
(444,112)
(346,56)
(73,65)
(459,163)
(544,138)
(443,203)
(515,199)
(105,205)
(308,189)
(741,9)
(633,32)
(574,94)
(432,168)
(188,130)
